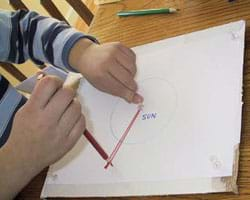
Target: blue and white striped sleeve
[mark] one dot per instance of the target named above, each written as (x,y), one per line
(10,102)
(27,35)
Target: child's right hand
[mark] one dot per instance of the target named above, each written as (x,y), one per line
(44,129)
(110,67)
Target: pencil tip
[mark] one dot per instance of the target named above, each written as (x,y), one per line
(173,10)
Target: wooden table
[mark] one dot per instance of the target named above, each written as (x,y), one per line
(193,15)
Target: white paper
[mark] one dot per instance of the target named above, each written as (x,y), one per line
(187,130)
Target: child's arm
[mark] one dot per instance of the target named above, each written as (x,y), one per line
(109,67)
(27,35)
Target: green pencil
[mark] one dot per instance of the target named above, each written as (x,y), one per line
(146,12)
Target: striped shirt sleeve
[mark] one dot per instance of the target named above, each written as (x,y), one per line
(10,102)
(27,35)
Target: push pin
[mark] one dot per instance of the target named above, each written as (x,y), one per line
(216,162)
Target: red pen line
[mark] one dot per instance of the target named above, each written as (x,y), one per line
(117,147)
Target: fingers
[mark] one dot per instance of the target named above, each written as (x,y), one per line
(44,90)
(127,58)
(118,89)
(127,62)
(129,52)
(137,98)
(70,116)
(59,103)
(124,71)
(122,75)
(76,132)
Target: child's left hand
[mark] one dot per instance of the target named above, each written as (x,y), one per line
(110,67)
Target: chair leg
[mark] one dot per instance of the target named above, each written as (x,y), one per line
(13,71)
(18,4)
(82,10)
(52,10)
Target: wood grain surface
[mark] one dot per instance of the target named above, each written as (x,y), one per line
(193,15)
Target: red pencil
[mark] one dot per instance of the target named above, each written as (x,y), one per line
(73,81)
(95,144)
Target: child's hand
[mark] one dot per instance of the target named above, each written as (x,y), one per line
(44,129)
(110,67)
